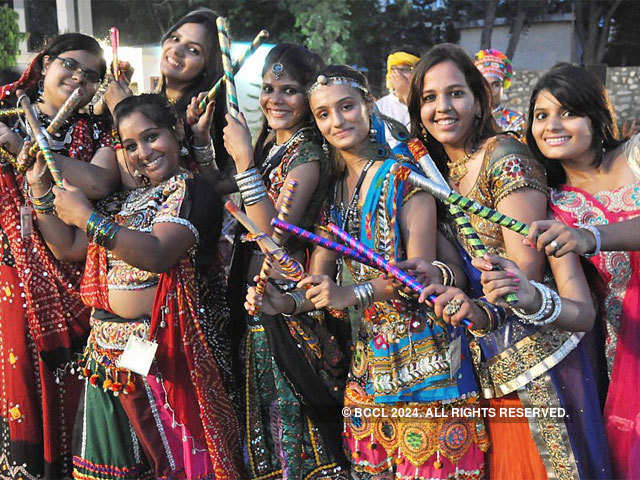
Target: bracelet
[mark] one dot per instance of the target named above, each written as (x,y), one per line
(298,300)
(117,144)
(557,308)
(364,295)
(491,319)
(549,310)
(247,173)
(596,233)
(44,203)
(102,230)
(252,188)
(205,155)
(448,277)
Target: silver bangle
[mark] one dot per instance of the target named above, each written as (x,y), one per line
(247,173)
(364,295)
(254,199)
(298,300)
(596,233)
(557,308)
(545,306)
(205,155)
(248,180)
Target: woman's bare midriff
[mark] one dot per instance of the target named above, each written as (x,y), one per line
(132,304)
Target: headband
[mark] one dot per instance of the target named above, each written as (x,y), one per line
(324,81)
(493,62)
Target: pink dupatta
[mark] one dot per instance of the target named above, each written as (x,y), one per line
(620,272)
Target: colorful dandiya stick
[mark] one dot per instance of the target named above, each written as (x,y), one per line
(115,43)
(40,138)
(11,112)
(323,242)
(237,65)
(225,50)
(451,197)
(65,111)
(428,166)
(288,190)
(398,274)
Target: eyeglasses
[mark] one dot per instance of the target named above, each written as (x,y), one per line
(71,65)
(403,69)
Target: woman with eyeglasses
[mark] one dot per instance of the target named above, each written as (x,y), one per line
(42,319)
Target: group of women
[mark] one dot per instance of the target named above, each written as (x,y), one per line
(121,359)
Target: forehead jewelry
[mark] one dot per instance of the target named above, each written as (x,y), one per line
(277,69)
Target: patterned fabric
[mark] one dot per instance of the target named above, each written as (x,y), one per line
(42,319)
(282,440)
(184,368)
(400,365)
(509,120)
(620,274)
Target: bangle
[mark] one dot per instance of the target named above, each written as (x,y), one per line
(549,310)
(448,277)
(247,173)
(596,233)
(102,230)
(298,300)
(364,295)
(252,188)
(491,319)
(44,203)
(117,144)
(205,155)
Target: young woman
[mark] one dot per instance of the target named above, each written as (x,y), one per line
(290,403)
(42,320)
(391,336)
(177,420)
(450,111)
(595,179)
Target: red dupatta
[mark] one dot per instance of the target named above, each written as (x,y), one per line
(189,371)
(574,206)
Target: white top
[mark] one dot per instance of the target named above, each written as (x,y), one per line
(391,106)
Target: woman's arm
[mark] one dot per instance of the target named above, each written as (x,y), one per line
(97,178)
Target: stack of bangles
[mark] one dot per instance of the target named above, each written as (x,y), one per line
(102,230)
(549,310)
(44,203)
(364,295)
(448,277)
(596,234)
(298,301)
(117,144)
(251,186)
(494,316)
(205,156)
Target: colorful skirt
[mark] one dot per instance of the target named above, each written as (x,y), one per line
(281,442)
(125,427)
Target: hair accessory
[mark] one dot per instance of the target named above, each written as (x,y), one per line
(277,69)
(323,81)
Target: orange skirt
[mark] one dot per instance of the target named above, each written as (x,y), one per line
(513,454)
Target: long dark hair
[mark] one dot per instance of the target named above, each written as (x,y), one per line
(579,91)
(485,126)
(211,71)
(299,63)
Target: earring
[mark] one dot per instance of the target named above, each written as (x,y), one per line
(40,91)
(325,146)
(373,133)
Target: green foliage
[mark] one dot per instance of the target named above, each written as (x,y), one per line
(10,37)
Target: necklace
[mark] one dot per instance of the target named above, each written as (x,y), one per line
(277,152)
(351,212)
(458,168)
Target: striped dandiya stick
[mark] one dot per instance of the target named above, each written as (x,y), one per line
(65,111)
(11,112)
(449,196)
(237,65)
(115,43)
(40,138)
(398,274)
(428,166)
(288,190)
(225,50)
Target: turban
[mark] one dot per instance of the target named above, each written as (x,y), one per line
(399,58)
(494,63)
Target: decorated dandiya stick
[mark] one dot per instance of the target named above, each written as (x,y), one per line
(11,112)
(40,138)
(323,242)
(451,197)
(288,190)
(397,273)
(115,43)
(428,166)
(66,110)
(237,65)
(225,50)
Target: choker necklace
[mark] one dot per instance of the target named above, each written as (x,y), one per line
(458,168)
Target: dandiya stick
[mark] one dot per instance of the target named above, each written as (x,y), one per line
(40,138)
(225,50)
(237,65)
(428,166)
(11,112)
(288,190)
(449,196)
(398,274)
(65,111)
(115,43)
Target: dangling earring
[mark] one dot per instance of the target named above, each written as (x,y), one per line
(373,134)
(40,91)
(325,146)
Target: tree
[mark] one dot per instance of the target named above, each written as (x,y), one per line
(10,37)
(593,27)
(487,27)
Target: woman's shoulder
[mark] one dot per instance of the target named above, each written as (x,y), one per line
(503,145)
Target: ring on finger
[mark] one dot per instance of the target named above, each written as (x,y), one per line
(453,306)
(554,246)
